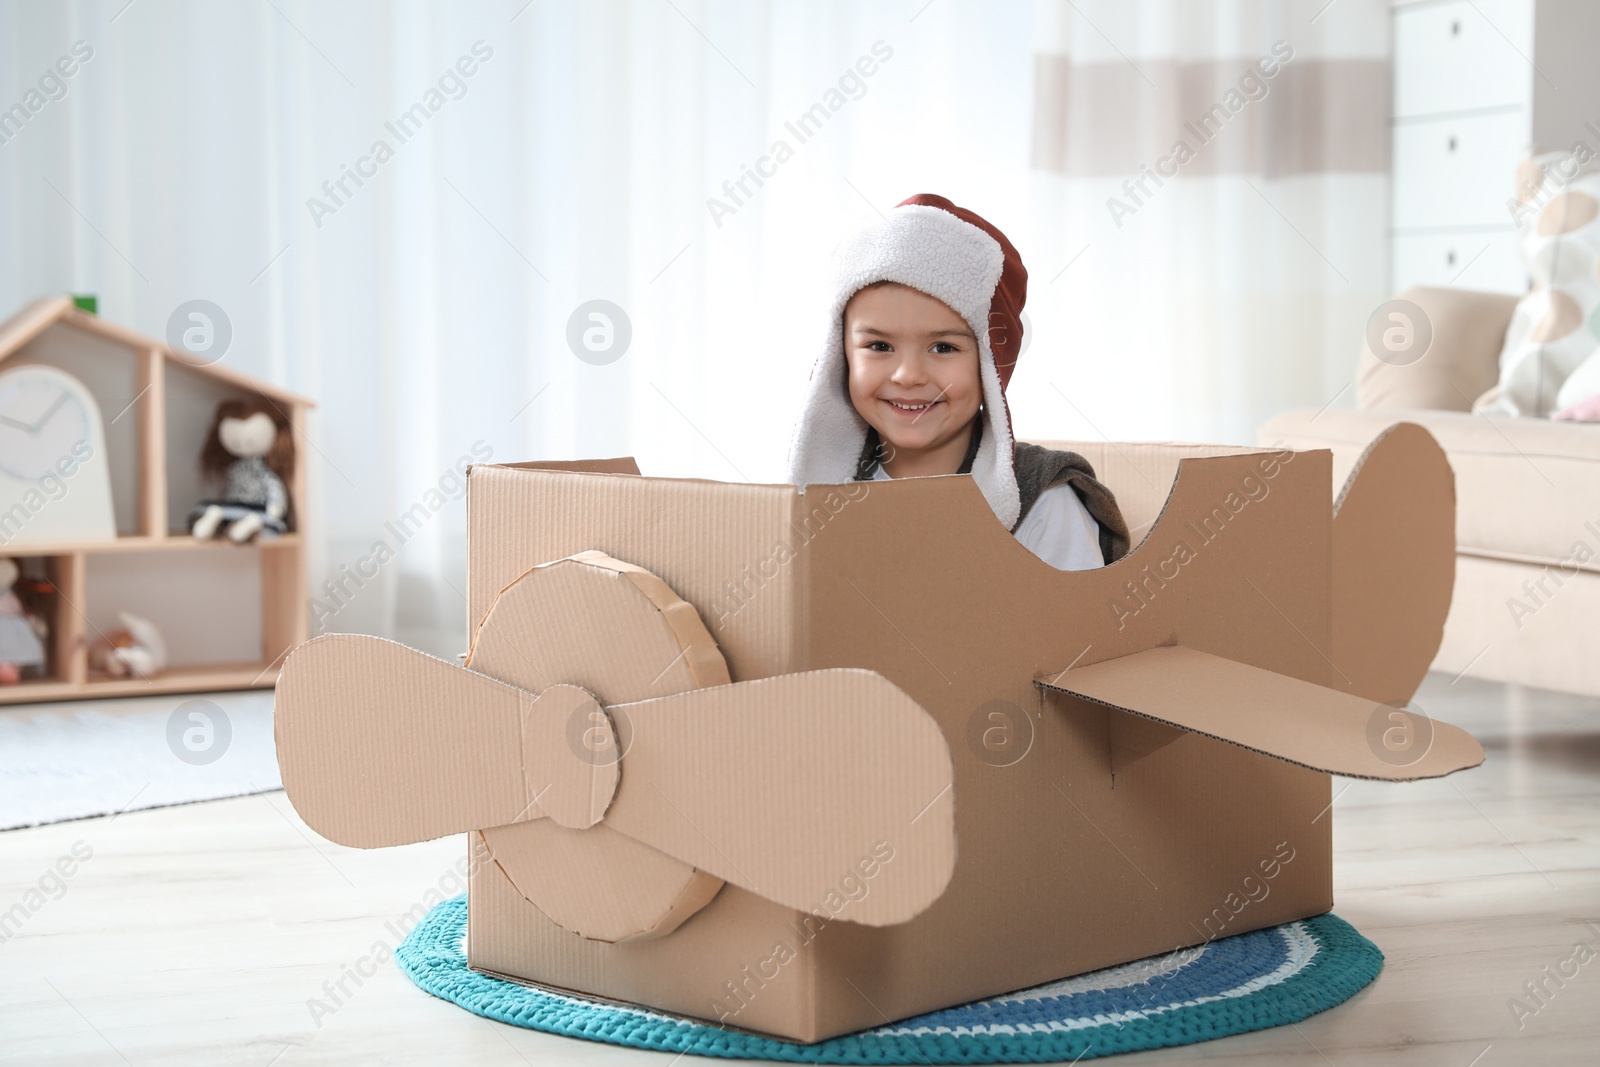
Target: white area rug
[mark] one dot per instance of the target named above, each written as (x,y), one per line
(77,759)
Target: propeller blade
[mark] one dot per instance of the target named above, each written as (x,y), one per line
(824,791)
(380,744)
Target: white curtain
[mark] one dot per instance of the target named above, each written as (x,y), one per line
(205,151)
(1214,284)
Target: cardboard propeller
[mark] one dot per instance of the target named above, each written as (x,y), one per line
(616,774)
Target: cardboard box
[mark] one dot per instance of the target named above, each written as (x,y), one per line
(1003,774)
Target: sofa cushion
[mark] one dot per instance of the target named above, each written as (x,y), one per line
(1554,328)
(1465,331)
(1526,489)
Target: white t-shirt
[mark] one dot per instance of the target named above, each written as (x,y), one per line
(1058,528)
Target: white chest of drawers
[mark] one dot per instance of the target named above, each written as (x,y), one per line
(1463,94)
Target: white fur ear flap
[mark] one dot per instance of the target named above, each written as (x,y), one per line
(993,468)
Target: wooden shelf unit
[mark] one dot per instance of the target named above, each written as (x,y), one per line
(281,562)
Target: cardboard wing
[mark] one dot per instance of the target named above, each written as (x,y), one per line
(615,803)
(1299,722)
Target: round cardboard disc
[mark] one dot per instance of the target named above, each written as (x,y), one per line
(620,633)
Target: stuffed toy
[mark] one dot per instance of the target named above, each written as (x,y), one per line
(250,451)
(20,644)
(1583,411)
(138,649)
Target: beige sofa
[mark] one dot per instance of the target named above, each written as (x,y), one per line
(1527,595)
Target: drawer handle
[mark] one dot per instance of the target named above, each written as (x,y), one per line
(1452,143)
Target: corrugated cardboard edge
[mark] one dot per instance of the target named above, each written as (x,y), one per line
(700,650)
(1143,474)
(1191,462)
(616,465)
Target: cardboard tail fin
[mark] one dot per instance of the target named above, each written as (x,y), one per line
(1394,555)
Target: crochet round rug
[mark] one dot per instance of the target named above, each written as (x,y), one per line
(1249,982)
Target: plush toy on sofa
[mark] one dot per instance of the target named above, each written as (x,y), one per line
(20,646)
(250,451)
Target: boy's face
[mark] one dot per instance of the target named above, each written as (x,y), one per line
(913,375)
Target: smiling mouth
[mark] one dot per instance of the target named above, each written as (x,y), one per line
(911,409)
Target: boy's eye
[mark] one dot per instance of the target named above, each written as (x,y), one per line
(944,346)
(879,346)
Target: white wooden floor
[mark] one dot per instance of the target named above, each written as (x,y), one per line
(197,935)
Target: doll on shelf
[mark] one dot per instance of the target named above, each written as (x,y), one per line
(20,647)
(250,451)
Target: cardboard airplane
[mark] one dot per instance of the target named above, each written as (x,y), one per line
(806,763)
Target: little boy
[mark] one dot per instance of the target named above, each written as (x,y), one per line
(925,332)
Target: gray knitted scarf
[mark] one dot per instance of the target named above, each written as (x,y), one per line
(1038,468)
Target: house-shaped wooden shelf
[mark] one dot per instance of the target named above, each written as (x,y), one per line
(229,613)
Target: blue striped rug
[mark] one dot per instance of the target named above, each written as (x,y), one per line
(1249,982)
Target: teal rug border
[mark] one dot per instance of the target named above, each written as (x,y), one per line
(1346,962)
